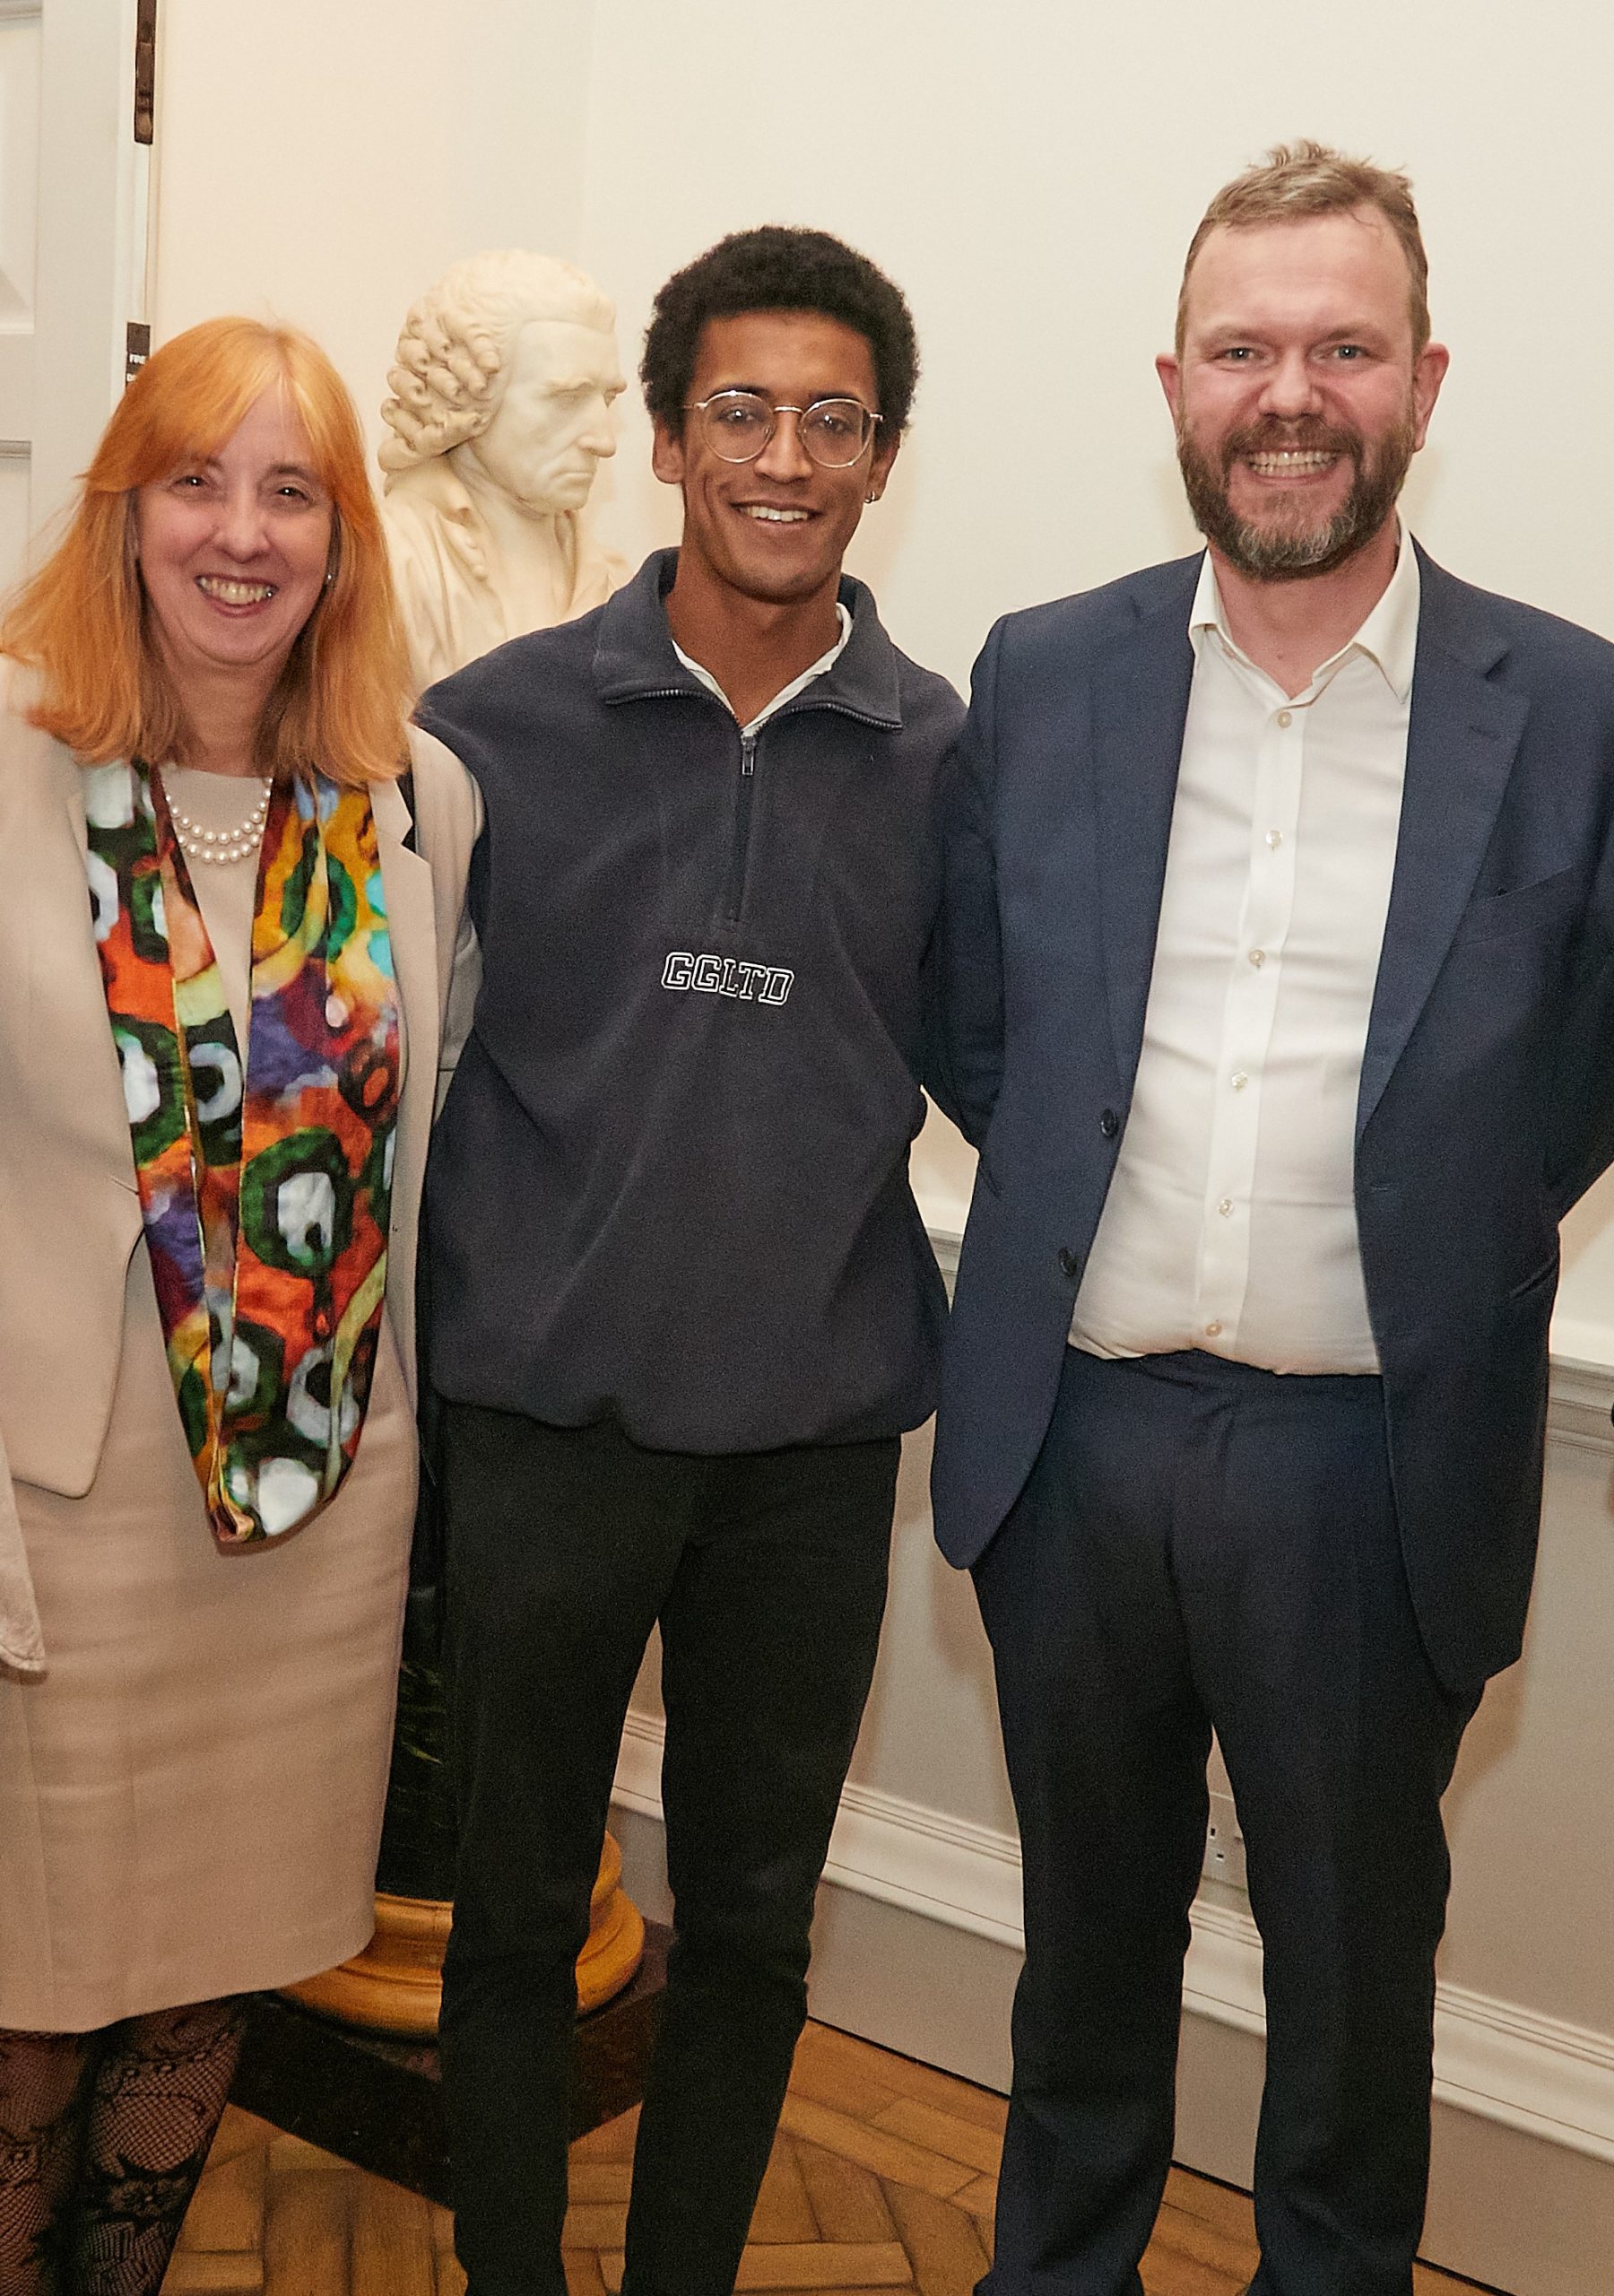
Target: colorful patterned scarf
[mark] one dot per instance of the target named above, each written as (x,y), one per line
(264,1195)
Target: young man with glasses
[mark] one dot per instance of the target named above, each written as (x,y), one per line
(684,1307)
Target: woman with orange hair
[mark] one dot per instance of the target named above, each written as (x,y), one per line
(226,967)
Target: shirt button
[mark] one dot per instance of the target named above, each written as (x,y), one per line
(1213,1331)
(1240,1081)
(1286,716)
(1068,1262)
(1226,1207)
(1258,958)
(1109,1124)
(1274,838)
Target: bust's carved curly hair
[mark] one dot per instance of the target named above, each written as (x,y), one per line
(456,346)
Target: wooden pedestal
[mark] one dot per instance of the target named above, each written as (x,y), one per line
(395,1984)
(376,2102)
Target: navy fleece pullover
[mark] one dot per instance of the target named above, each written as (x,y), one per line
(670,1184)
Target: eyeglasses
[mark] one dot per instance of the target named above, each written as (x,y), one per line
(738,424)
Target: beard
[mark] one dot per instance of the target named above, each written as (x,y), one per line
(1280,548)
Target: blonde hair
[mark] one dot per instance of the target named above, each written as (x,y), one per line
(456,346)
(1309,178)
(341,703)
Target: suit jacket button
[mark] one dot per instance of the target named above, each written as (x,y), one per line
(1109,1124)
(1069,1264)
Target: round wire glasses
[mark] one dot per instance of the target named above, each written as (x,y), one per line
(738,425)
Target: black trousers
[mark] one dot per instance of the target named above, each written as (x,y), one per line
(767,1573)
(1202,1544)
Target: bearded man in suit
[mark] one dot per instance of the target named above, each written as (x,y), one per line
(1278,996)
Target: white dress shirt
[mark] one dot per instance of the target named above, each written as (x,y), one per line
(1230,1223)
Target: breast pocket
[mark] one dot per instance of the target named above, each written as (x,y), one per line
(1521,909)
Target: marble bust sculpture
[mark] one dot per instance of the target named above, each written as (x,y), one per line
(499,418)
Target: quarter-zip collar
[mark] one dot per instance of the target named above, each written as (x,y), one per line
(798,684)
(635,657)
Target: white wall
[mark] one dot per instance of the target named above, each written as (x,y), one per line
(1031,175)
(323,160)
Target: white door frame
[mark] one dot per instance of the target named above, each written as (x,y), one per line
(93,207)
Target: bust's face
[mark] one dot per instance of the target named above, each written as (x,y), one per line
(552,427)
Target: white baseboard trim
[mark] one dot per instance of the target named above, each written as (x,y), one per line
(639,1765)
(965,1875)
(1551,2080)
(1579,1399)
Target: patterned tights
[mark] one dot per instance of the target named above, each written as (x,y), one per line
(102,2138)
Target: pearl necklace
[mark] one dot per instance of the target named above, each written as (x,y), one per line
(238,844)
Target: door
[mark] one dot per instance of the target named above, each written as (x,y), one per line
(73,186)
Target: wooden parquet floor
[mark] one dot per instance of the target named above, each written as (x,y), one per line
(883,2176)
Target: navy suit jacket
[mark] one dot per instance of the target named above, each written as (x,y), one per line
(1487,1101)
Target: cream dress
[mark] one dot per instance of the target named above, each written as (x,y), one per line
(191,1796)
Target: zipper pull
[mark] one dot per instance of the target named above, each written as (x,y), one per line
(748,753)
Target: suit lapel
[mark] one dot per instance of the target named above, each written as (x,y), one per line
(406,877)
(1139,712)
(60,973)
(1461,745)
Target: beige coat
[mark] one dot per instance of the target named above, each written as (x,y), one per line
(69,1207)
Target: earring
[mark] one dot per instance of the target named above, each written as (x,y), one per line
(870,498)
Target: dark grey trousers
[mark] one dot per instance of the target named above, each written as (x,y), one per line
(1201,1543)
